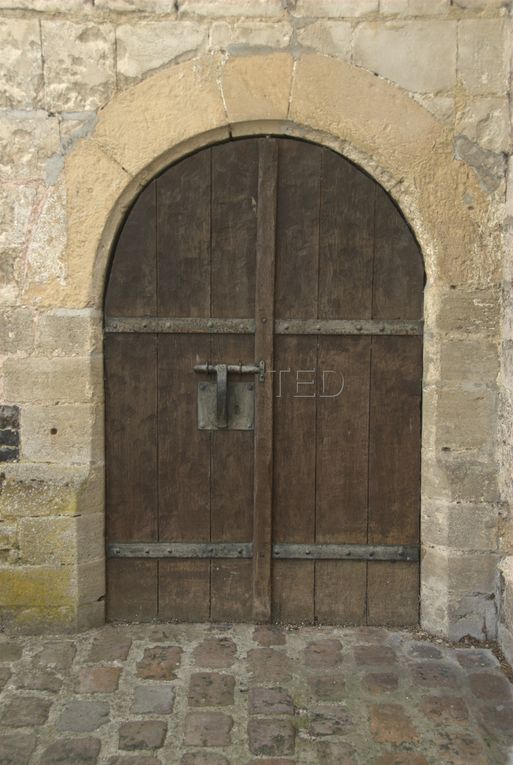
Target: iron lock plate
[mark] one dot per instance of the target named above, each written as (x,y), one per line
(240,406)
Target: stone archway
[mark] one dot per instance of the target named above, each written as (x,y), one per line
(410,154)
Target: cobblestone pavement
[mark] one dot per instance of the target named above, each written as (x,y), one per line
(220,695)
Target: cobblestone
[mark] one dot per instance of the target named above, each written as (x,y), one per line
(240,695)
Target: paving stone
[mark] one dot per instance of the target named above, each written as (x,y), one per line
(371,635)
(381,682)
(83,715)
(435,674)
(268,665)
(98,679)
(329,721)
(159,663)
(10,651)
(207,729)
(444,708)
(5,674)
(39,680)
(328,687)
(425,651)
(59,655)
(210,689)
(137,760)
(72,751)
(16,748)
(153,699)
(263,701)
(323,653)
(148,734)
(400,758)
(460,749)
(271,737)
(390,725)
(21,711)
(110,646)
(215,653)
(204,758)
(272,761)
(498,717)
(374,654)
(476,659)
(268,634)
(335,753)
(490,686)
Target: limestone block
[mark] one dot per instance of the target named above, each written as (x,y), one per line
(54,381)
(43,5)
(11,266)
(462,572)
(16,331)
(147,45)
(243,34)
(79,65)
(473,614)
(485,121)
(48,541)
(27,141)
(469,360)
(68,332)
(331,37)
(466,419)
(335,8)
(257,87)
(478,5)
(21,65)
(40,586)
(74,126)
(470,311)
(489,166)
(90,537)
(67,435)
(483,56)
(460,479)
(460,526)
(91,581)
(40,620)
(418,55)
(16,205)
(48,238)
(414,7)
(153,6)
(8,536)
(89,615)
(433,609)
(442,107)
(232,7)
(506,607)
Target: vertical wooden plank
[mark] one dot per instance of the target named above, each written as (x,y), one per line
(293,591)
(131,437)
(340,592)
(297,234)
(234,219)
(394,448)
(398,279)
(347,240)
(231,587)
(264,320)
(183,238)
(131,589)
(184,590)
(184,451)
(393,595)
(131,286)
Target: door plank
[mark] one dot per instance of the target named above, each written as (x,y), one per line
(183,238)
(131,285)
(340,592)
(393,593)
(132,589)
(264,317)
(231,588)
(184,590)
(293,592)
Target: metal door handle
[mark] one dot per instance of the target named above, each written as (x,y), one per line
(221,372)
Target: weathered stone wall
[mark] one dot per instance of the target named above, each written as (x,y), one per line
(95,97)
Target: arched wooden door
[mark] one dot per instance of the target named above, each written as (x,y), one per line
(263,352)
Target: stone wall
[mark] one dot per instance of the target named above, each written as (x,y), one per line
(97,96)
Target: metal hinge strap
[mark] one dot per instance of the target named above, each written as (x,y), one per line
(346,552)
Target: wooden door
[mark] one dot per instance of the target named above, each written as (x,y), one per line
(283,257)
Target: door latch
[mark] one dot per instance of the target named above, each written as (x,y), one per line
(227,405)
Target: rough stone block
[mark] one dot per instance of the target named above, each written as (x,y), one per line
(489,166)
(27,141)
(48,238)
(58,654)
(466,419)
(264,701)
(41,585)
(25,711)
(16,331)
(90,537)
(159,663)
(462,526)
(329,687)
(461,572)
(155,6)
(69,435)
(83,716)
(469,361)
(147,45)
(153,699)
(91,581)
(216,653)
(483,56)
(77,750)
(98,679)
(330,37)
(209,689)
(261,93)
(69,333)
(54,381)
(16,213)
(146,734)
(323,653)
(243,34)
(21,64)
(485,121)
(390,724)
(79,65)
(473,613)
(335,8)
(232,7)
(329,720)
(419,55)
(414,7)
(10,651)
(110,645)
(47,540)
(271,737)
(207,729)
